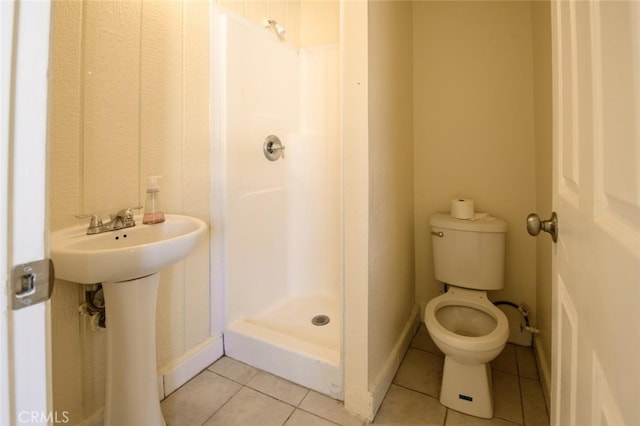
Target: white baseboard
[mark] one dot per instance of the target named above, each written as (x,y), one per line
(383,380)
(544,370)
(181,370)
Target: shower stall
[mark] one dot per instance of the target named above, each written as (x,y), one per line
(277,223)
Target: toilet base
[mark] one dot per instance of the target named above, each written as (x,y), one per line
(467,388)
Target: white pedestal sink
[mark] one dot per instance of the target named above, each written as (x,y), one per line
(127,263)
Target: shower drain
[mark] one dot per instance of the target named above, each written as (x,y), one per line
(320,320)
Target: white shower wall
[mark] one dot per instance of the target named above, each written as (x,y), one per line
(280,229)
(261,99)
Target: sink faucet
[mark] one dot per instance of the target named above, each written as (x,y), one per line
(122,219)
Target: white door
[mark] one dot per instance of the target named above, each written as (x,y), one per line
(25,362)
(596,193)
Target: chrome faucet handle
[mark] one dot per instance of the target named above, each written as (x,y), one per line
(121,214)
(122,218)
(125,213)
(125,216)
(95,222)
(95,225)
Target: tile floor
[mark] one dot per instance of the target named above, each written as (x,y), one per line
(232,393)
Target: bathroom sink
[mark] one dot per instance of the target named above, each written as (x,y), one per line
(126,254)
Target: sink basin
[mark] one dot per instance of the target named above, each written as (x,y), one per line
(126,254)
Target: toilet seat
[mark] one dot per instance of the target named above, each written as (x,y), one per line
(476,300)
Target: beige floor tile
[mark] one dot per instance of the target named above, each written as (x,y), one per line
(406,407)
(251,408)
(526,363)
(455,418)
(421,371)
(422,340)
(534,407)
(506,361)
(302,418)
(506,394)
(216,396)
(329,408)
(234,370)
(278,388)
(198,399)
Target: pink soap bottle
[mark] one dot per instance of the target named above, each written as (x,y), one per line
(152,212)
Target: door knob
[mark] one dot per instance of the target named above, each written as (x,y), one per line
(535,225)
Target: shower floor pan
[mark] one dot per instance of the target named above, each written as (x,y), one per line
(286,343)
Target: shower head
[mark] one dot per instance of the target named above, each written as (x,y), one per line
(276,26)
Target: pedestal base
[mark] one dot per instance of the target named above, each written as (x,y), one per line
(467,388)
(132,385)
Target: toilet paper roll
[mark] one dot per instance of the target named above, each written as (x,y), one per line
(462,208)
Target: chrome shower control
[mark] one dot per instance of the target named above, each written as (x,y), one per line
(273,148)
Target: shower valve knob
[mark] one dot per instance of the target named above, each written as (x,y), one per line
(272,148)
(535,225)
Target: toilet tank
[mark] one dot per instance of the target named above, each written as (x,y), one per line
(469,253)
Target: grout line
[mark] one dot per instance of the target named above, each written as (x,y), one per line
(288,417)
(225,403)
(316,415)
(520,386)
(305,397)
(271,396)
(417,391)
(521,400)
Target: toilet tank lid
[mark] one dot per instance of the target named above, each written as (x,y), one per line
(482,222)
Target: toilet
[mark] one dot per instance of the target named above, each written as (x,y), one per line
(471,331)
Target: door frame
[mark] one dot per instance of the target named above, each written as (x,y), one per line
(25,334)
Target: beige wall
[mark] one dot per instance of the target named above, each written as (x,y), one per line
(474,128)
(355,149)
(541,20)
(391,226)
(129,99)
(378,196)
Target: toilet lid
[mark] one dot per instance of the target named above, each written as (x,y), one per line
(483,224)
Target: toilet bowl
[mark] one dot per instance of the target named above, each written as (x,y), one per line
(466,325)
(471,332)
(463,323)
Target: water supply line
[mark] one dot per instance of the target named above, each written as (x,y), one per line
(525,313)
(93,306)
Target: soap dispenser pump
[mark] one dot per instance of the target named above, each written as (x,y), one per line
(152,212)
